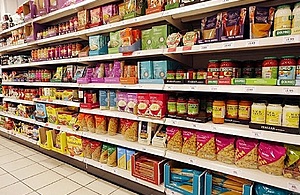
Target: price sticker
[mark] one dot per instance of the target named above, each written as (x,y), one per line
(294,187)
(192,87)
(115,171)
(228,45)
(137,53)
(290,39)
(205,47)
(106,139)
(169,87)
(288,90)
(226,1)
(235,172)
(144,149)
(213,128)
(249,89)
(214,88)
(174,122)
(252,43)
(195,126)
(192,161)
(58,127)
(47,124)
(257,134)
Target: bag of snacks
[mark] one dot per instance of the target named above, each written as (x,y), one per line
(80,124)
(104,153)
(206,145)
(246,153)
(113,124)
(225,148)
(271,158)
(86,148)
(131,130)
(112,156)
(96,150)
(174,139)
(189,142)
(90,122)
(292,164)
(101,125)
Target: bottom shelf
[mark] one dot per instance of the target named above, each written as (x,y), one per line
(17,135)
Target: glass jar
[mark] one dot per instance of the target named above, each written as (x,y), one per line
(296,19)
(282,20)
(270,68)
(201,74)
(232,109)
(244,110)
(192,74)
(248,70)
(171,74)
(287,67)
(226,69)
(290,116)
(258,112)
(298,69)
(193,107)
(172,105)
(213,69)
(180,74)
(181,106)
(218,113)
(274,114)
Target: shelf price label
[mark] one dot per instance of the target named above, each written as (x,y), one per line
(257,134)
(205,47)
(169,87)
(289,39)
(192,161)
(294,187)
(288,90)
(174,122)
(249,89)
(214,88)
(236,172)
(193,87)
(228,45)
(252,43)
(225,1)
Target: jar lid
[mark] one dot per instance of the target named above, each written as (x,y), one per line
(283,6)
(226,60)
(270,58)
(212,61)
(287,57)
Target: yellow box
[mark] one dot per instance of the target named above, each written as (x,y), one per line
(59,142)
(129,153)
(121,156)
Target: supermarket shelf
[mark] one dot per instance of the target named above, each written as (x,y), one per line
(254,175)
(59,102)
(121,86)
(120,115)
(16,66)
(20,136)
(123,173)
(28,120)
(247,44)
(41,84)
(279,90)
(120,141)
(236,129)
(28,102)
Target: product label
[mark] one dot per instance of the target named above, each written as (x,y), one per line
(244,112)
(181,108)
(273,117)
(213,73)
(232,111)
(258,115)
(291,119)
(172,107)
(193,109)
(282,22)
(218,111)
(286,72)
(298,72)
(226,72)
(269,72)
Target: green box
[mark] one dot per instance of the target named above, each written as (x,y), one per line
(114,42)
(256,81)
(172,6)
(147,39)
(160,34)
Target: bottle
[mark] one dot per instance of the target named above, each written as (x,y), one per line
(218,113)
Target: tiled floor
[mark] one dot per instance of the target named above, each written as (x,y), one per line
(24,171)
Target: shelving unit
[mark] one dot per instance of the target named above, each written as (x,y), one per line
(176,17)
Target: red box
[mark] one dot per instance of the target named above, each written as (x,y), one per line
(157,105)
(143,104)
(148,168)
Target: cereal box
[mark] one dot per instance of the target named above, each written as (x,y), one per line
(157,102)
(143,104)
(121,152)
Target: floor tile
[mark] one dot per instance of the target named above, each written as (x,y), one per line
(5,151)
(2,171)
(17,148)
(33,193)
(9,158)
(29,171)
(84,191)
(50,163)
(39,157)
(17,164)
(103,187)
(42,179)
(16,189)
(65,170)
(82,178)
(61,187)
(6,180)
(27,152)
(122,191)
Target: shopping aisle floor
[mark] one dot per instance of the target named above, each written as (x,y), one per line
(24,171)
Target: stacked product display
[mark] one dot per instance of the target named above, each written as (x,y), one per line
(191,105)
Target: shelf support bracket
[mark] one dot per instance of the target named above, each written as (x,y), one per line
(177,23)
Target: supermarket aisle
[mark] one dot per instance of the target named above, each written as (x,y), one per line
(24,171)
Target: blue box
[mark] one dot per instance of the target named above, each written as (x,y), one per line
(160,68)
(198,181)
(98,45)
(103,99)
(247,189)
(146,70)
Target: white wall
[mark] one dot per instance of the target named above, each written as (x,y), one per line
(9,6)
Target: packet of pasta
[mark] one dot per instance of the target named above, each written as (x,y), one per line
(206,145)
(86,148)
(292,163)
(225,148)
(271,158)
(90,122)
(246,153)
(104,153)
(131,130)
(112,156)
(174,139)
(189,142)
(96,150)
(113,124)
(101,125)
(80,124)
